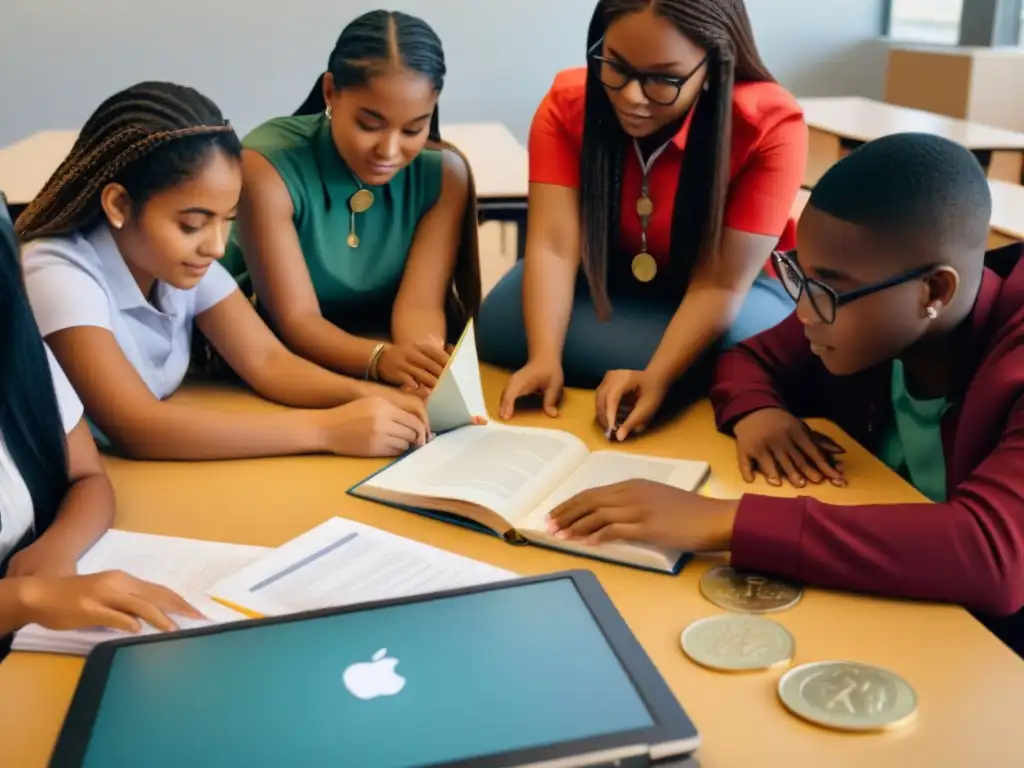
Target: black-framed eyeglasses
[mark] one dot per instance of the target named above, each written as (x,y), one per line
(659,89)
(824,298)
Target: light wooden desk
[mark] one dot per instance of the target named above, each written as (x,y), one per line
(971,688)
(500,170)
(26,165)
(1007,213)
(498,160)
(850,121)
(1007,225)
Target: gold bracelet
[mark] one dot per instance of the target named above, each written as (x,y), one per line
(371,367)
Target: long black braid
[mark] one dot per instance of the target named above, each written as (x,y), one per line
(723,28)
(172,126)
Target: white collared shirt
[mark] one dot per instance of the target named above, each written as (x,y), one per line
(84,281)
(17,514)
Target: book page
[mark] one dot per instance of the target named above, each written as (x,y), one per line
(508,470)
(187,566)
(341,562)
(609,467)
(459,394)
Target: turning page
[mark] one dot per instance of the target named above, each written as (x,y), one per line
(459,394)
(341,562)
(508,470)
(187,566)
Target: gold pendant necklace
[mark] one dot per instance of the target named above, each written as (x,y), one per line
(360,202)
(644,265)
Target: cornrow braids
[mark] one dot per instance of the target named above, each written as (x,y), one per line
(172,127)
(371,44)
(722,27)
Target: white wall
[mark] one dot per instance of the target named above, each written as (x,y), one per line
(59,59)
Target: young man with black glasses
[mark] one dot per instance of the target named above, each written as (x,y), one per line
(904,338)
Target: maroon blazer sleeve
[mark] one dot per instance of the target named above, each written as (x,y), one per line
(969,550)
(774,369)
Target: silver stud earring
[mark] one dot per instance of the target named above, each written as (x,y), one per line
(327,112)
(932,312)
(705,86)
(118,224)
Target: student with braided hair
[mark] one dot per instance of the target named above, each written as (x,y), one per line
(55,498)
(121,259)
(661,178)
(356,224)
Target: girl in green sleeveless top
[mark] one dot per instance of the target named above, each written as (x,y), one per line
(350,228)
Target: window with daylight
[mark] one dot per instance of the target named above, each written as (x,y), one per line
(926,21)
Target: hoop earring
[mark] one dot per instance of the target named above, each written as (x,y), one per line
(327,112)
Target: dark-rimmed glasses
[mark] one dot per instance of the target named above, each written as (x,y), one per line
(659,89)
(824,298)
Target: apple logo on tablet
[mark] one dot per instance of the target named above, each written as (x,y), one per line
(370,679)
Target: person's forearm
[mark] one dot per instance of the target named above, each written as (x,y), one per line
(321,341)
(549,283)
(288,379)
(85,515)
(186,433)
(703,316)
(409,325)
(13,613)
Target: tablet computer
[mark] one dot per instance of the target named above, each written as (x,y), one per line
(529,671)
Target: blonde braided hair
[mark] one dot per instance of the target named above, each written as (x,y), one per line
(129,126)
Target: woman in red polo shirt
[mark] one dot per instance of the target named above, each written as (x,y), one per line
(666,169)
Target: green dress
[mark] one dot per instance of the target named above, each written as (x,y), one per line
(355,287)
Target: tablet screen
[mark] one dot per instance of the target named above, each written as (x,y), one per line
(417,683)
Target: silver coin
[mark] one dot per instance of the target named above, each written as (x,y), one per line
(748,592)
(848,696)
(735,643)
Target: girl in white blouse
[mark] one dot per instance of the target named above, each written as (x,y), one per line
(55,499)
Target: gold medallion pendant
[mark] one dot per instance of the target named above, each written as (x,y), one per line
(353,240)
(361,201)
(644,267)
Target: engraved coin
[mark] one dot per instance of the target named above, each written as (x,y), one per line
(644,206)
(847,696)
(361,201)
(644,267)
(735,643)
(748,592)
(353,240)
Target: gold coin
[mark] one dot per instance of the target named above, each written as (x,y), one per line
(361,201)
(644,206)
(847,696)
(747,592)
(644,267)
(733,643)
(353,240)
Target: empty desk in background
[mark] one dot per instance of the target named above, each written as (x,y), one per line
(500,170)
(840,124)
(1007,224)
(26,165)
(498,160)
(971,688)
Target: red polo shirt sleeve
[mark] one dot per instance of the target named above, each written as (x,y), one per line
(769,158)
(556,133)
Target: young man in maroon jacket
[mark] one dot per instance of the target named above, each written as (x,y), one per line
(904,338)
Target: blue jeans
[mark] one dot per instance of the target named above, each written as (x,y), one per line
(627,339)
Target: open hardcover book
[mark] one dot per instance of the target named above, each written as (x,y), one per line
(505,480)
